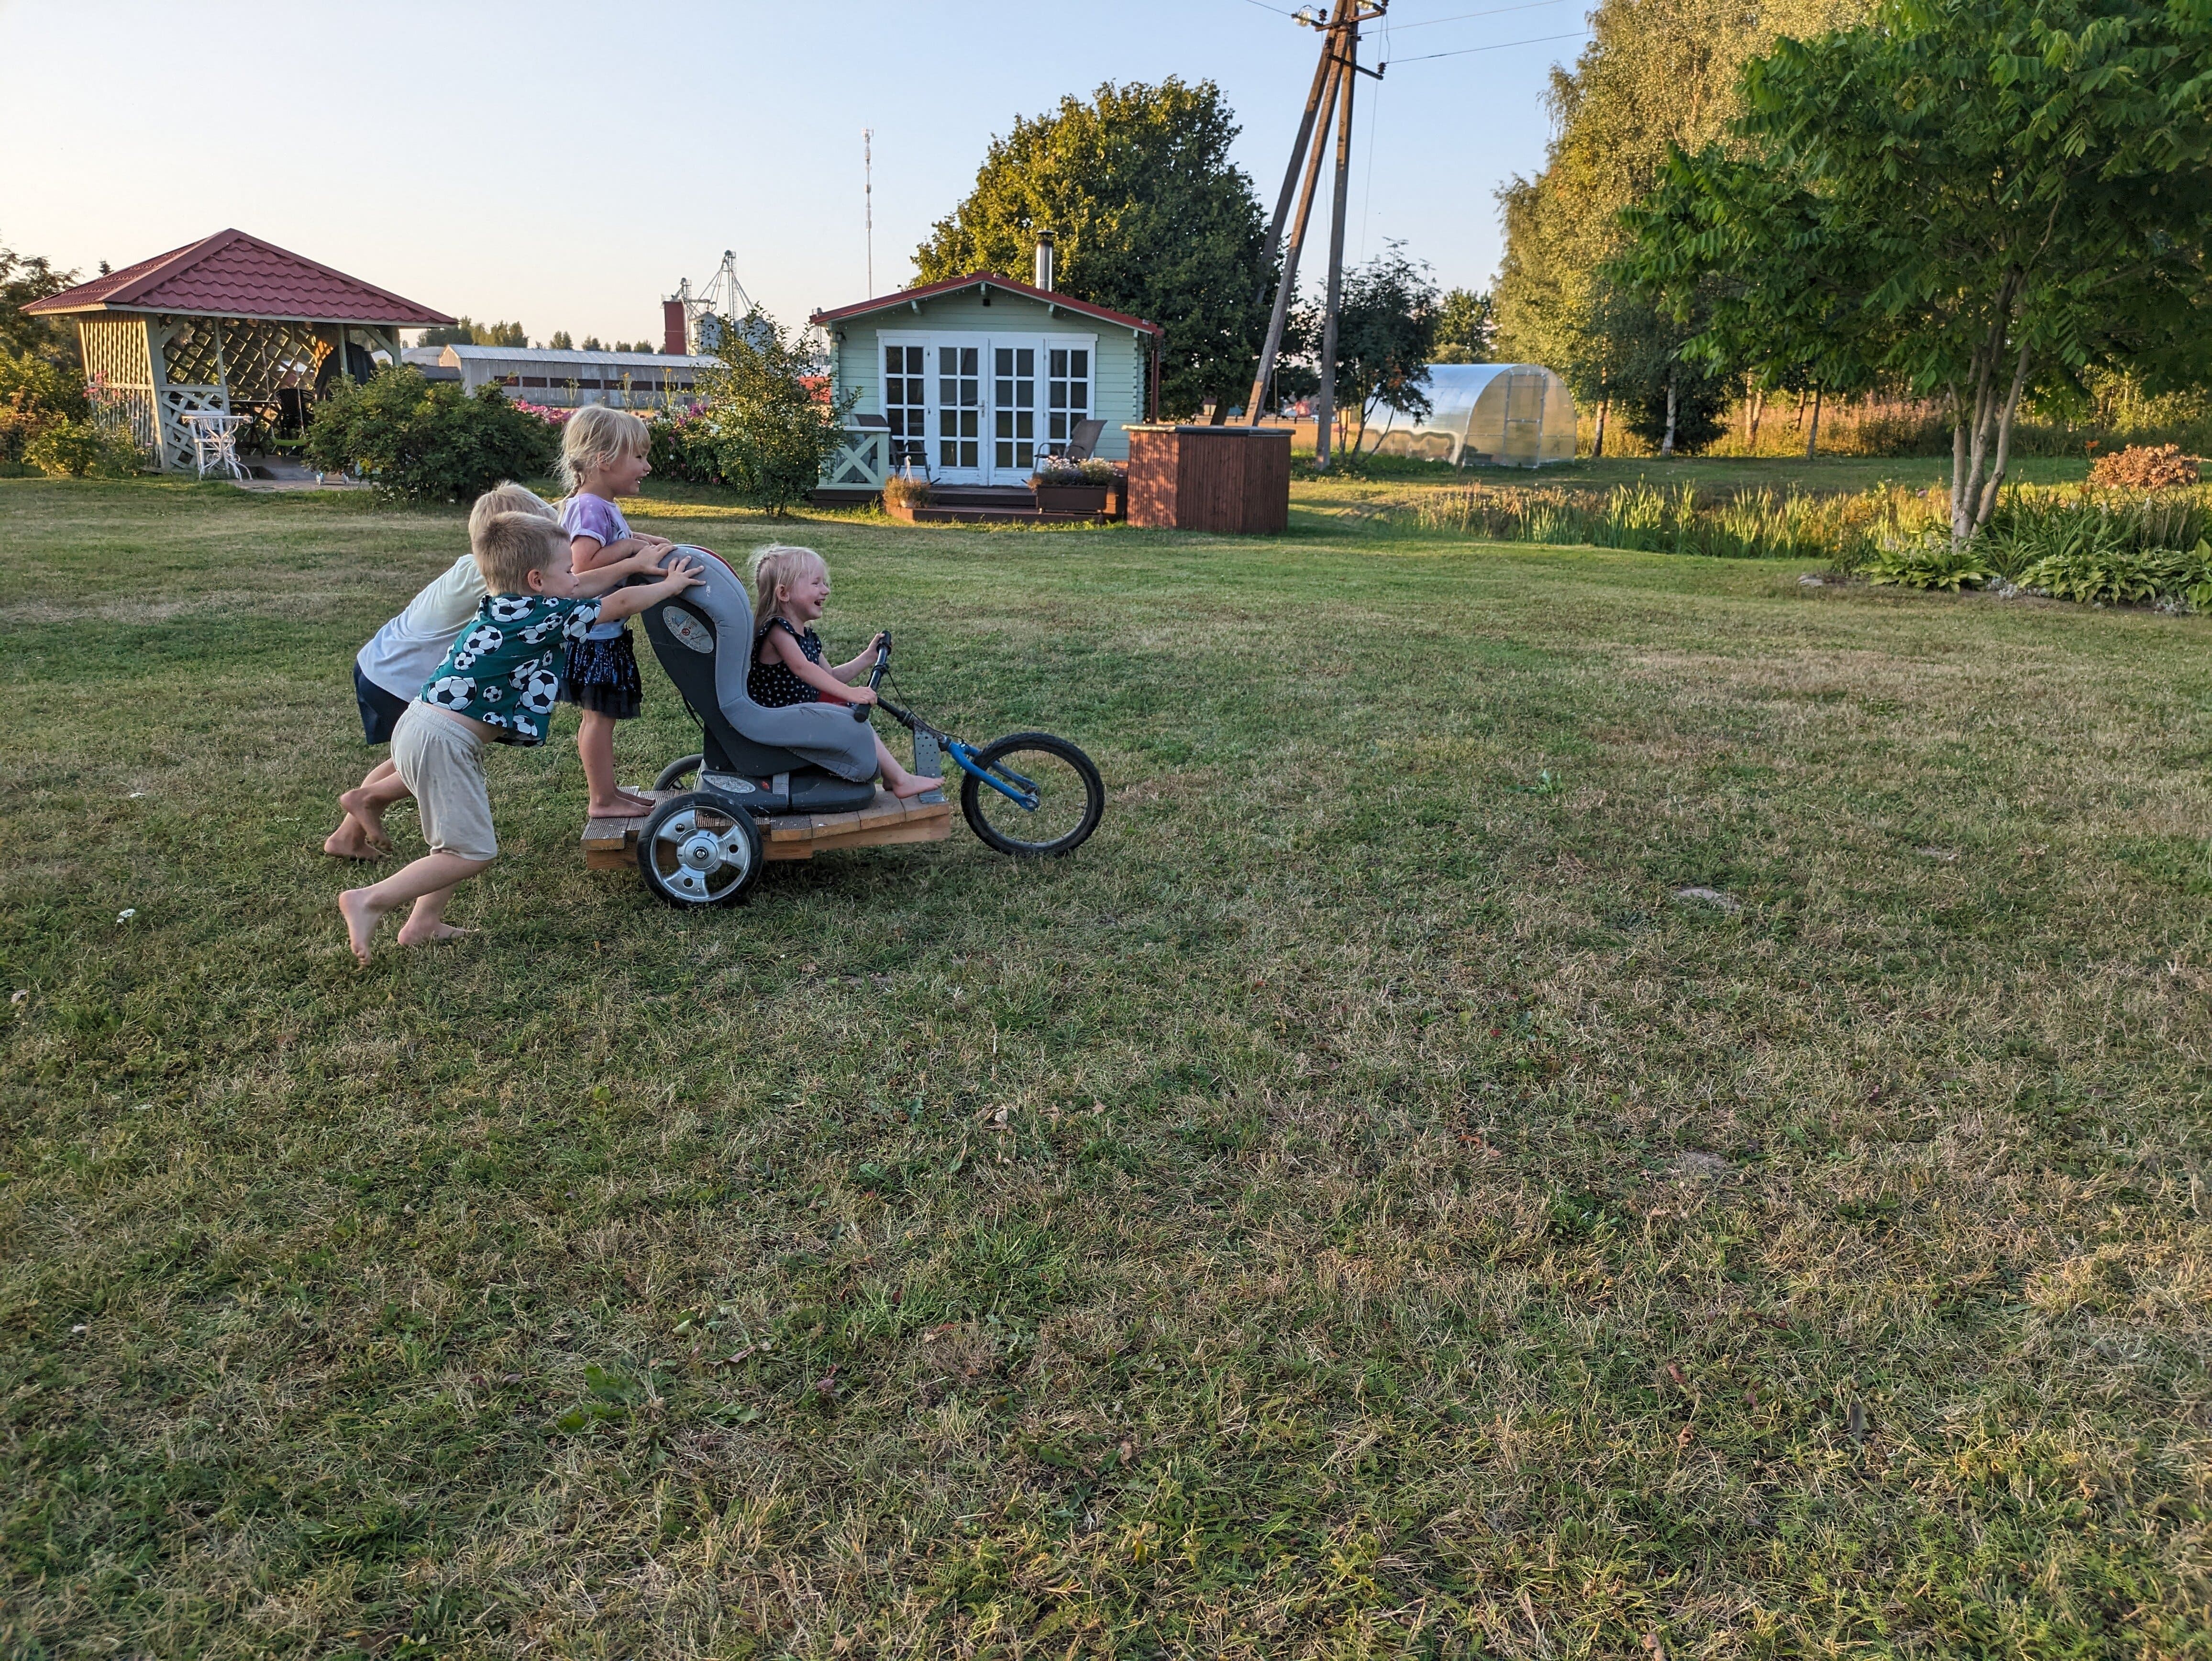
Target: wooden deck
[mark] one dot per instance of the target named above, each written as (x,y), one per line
(611,844)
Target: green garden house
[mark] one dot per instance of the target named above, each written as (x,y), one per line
(969,380)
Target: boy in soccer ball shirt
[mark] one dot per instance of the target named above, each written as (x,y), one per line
(497,686)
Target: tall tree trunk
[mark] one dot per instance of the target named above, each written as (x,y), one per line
(1758,415)
(1597,450)
(1812,434)
(1989,423)
(1666,444)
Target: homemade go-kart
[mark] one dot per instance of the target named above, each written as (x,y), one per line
(785,784)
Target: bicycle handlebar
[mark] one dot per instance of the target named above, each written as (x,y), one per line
(875,674)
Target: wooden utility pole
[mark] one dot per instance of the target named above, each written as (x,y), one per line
(1329,99)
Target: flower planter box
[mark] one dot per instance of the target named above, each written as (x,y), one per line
(1071,498)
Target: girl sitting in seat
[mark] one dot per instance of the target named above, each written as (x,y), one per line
(791,585)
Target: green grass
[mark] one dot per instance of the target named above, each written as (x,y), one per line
(1354,1207)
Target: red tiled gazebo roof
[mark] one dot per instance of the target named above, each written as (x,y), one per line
(231,274)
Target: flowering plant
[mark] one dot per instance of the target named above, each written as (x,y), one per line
(543,411)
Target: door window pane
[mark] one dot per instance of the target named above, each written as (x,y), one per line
(1013,406)
(905,401)
(959,407)
(1067,394)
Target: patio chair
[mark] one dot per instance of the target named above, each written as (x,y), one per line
(1084,440)
(214,441)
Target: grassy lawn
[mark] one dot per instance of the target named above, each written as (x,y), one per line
(1354,1207)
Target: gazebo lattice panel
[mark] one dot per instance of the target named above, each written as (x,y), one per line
(118,366)
(179,401)
(262,358)
(191,355)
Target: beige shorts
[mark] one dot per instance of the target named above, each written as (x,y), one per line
(441,762)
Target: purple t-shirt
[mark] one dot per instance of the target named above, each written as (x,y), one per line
(595,517)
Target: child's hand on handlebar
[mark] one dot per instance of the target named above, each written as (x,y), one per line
(862,695)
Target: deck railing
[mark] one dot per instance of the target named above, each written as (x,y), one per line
(863,463)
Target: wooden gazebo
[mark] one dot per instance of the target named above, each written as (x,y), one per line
(231,324)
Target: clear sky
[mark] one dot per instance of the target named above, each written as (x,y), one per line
(566,164)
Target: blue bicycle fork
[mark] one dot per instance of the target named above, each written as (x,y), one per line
(1026,796)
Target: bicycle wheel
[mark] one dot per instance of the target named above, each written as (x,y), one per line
(1070,796)
(678,775)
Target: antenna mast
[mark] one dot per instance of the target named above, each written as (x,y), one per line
(868,195)
(1330,98)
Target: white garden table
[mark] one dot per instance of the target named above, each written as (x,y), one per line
(215,439)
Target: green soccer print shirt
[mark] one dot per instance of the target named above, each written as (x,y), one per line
(504,670)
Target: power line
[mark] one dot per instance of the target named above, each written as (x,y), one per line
(1572,34)
(1460,17)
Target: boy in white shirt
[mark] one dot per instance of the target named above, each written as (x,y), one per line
(389,673)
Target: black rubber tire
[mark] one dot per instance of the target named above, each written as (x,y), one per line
(672,775)
(1013,745)
(690,888)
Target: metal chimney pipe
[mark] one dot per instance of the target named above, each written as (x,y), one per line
(1044,260)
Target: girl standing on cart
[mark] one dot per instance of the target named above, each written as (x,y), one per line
(603,456)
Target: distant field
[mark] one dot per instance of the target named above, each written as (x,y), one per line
(1365,1204)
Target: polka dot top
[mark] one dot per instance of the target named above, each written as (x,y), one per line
(772,686)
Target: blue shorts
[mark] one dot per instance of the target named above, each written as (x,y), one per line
(379,710)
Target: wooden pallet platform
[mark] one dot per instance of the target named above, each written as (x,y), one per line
(988,515)
(611,844)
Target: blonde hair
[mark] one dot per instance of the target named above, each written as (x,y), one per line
(594,436)
(773,566)
(506,497)
(507,547)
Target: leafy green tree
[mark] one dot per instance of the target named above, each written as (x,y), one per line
(24,278)
(1654,77)
(1465,324)
(767,408)
(1386,334)
(1149,217)
(561,342)
(1976,202)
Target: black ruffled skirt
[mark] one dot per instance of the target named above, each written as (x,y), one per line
(602,675)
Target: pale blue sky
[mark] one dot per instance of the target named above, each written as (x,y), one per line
(566,163)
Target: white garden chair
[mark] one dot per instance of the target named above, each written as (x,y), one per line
(214,441)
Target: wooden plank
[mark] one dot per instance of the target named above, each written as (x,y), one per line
(883,836)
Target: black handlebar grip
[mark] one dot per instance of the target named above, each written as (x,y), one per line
(875,675)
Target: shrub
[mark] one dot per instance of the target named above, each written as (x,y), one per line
(685,448)
(64,448)
(2109,573)
(1928,562)
(34,394)
(2143,467)
(420,440)
(769,410)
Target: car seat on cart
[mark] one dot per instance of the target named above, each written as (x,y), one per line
(805,759)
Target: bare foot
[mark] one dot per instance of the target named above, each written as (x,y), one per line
(367,814)
(436,934)
(913,784)
(349,841)
(361,920)
(626,806)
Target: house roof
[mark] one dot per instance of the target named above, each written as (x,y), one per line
(551,358)
(984,280)
(231,274)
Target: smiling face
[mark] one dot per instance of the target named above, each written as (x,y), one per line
(803,597)
(619,475)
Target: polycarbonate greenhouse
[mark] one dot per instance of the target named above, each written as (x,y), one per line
(1502,414)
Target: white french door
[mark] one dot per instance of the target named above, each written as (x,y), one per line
(972,409)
